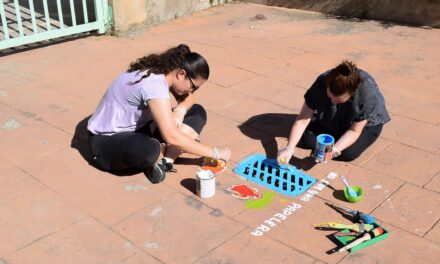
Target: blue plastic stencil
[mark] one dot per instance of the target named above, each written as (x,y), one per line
(284,179)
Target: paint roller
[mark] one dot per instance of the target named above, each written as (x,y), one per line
(357,215)
(367,236)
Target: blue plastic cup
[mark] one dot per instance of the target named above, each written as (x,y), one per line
(324,147)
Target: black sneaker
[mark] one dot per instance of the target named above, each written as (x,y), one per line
(156,172)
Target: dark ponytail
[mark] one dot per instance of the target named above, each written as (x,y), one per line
(179,57)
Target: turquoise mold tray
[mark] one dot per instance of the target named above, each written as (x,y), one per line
(285,179)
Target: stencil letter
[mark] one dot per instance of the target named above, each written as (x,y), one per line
(263,228)
(280,216)
(257,233)
(270,223)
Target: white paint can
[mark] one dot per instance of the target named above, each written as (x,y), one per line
(205,183)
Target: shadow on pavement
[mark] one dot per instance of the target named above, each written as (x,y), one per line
(80,139)
(189,161)
(339,194)
(267,127)
(189,184)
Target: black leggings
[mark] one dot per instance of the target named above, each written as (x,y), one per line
(367,137)
(139,149)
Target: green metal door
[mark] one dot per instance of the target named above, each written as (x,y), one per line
(29,21)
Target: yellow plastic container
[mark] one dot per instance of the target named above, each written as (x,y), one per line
(353,199)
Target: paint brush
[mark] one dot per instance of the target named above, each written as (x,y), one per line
(367,236)
(357,215)
(357,227)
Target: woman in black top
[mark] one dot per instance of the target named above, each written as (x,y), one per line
(344,102)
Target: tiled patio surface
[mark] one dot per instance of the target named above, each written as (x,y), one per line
(56,208)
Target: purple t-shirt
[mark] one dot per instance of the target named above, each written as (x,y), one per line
(124,107)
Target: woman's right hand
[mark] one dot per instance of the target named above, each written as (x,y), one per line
(285,155)
(221,153)
(179,114)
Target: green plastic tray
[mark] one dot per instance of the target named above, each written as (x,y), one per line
(344,240)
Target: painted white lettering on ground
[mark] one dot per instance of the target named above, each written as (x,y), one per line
(279,217)
(314,190)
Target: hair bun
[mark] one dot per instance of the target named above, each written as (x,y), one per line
(346,68)
(183,49)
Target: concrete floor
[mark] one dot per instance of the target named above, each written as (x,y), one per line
(56,208)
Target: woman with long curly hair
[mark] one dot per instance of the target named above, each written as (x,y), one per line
(136,115)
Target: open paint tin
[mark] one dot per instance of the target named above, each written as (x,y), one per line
(205,183)
(324,147)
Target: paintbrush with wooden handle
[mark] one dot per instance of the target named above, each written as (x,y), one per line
(367,236)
